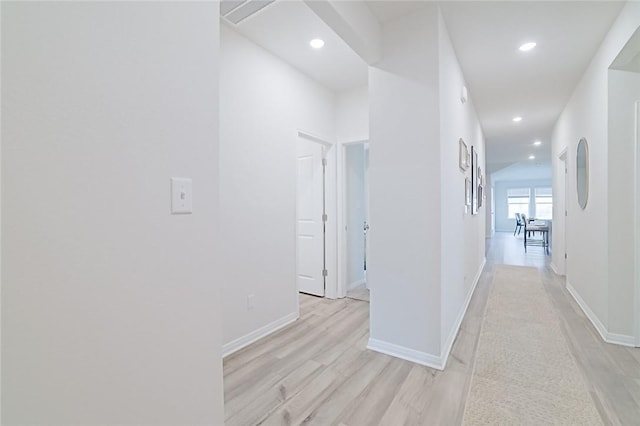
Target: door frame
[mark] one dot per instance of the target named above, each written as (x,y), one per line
(342,283)
(331,230)
(561,267)
(636,227)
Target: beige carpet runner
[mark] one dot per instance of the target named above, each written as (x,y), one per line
(524,372)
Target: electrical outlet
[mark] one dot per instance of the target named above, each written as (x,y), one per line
(250,301)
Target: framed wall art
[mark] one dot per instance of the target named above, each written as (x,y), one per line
(467,192)
(463,156)
(474,181)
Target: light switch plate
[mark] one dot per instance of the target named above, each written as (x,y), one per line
(181,196)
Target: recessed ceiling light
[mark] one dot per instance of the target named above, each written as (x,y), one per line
(517,119)
(532,157)
(316,43)
(537,143)
(527,46)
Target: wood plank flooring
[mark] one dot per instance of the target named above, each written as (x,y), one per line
(318,371)
(359,293)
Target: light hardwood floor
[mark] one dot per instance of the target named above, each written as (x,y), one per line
(359,293)
(318,370)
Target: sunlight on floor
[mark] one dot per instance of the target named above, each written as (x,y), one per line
(508,249)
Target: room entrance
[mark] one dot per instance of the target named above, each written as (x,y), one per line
(311,217)
(356,216)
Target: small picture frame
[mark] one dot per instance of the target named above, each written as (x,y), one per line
(463,156)
(467,191)
(474,181)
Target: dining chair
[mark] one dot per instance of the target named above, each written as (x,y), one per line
(519,224)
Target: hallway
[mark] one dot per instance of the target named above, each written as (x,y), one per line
(318,370)
(612,372)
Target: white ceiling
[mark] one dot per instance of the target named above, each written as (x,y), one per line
(285,28)
(387,11)
(523,171)
(502,81)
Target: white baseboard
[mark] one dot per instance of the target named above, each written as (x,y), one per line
(554,268)
(423,358)
(614,338)
(237,344)
(357,283)
(621,339)
(448,344)
(407,354)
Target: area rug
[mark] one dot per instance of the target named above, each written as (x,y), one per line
(524,372)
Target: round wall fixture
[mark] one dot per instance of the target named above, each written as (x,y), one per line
(463,94)
(582,172)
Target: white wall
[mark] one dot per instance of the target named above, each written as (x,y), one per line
(352,125)
(503,222)
(352,115)
(264,102)
(404,269)
(586,116)
(110,304)
(624,92)
(462,235)
(425,252)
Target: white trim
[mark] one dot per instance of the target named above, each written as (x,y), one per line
(331,248)
(309,136)
(423,358)
(621,339)
(448,345)
(357,283)
(258,334)
(407,354)
(555,269)
(636,227)
(614,338)
(343,285)
(354,142)
(563,154)
(331,290)
(560,238)
(587,311)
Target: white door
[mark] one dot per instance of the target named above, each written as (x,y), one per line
(310,257)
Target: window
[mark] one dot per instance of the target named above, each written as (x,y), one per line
(518,201)
(544,203)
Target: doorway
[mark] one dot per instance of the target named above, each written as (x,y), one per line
(559,263)
(637,224)
(356,216)
(311,217)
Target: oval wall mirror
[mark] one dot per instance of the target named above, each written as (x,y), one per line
(582,172)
